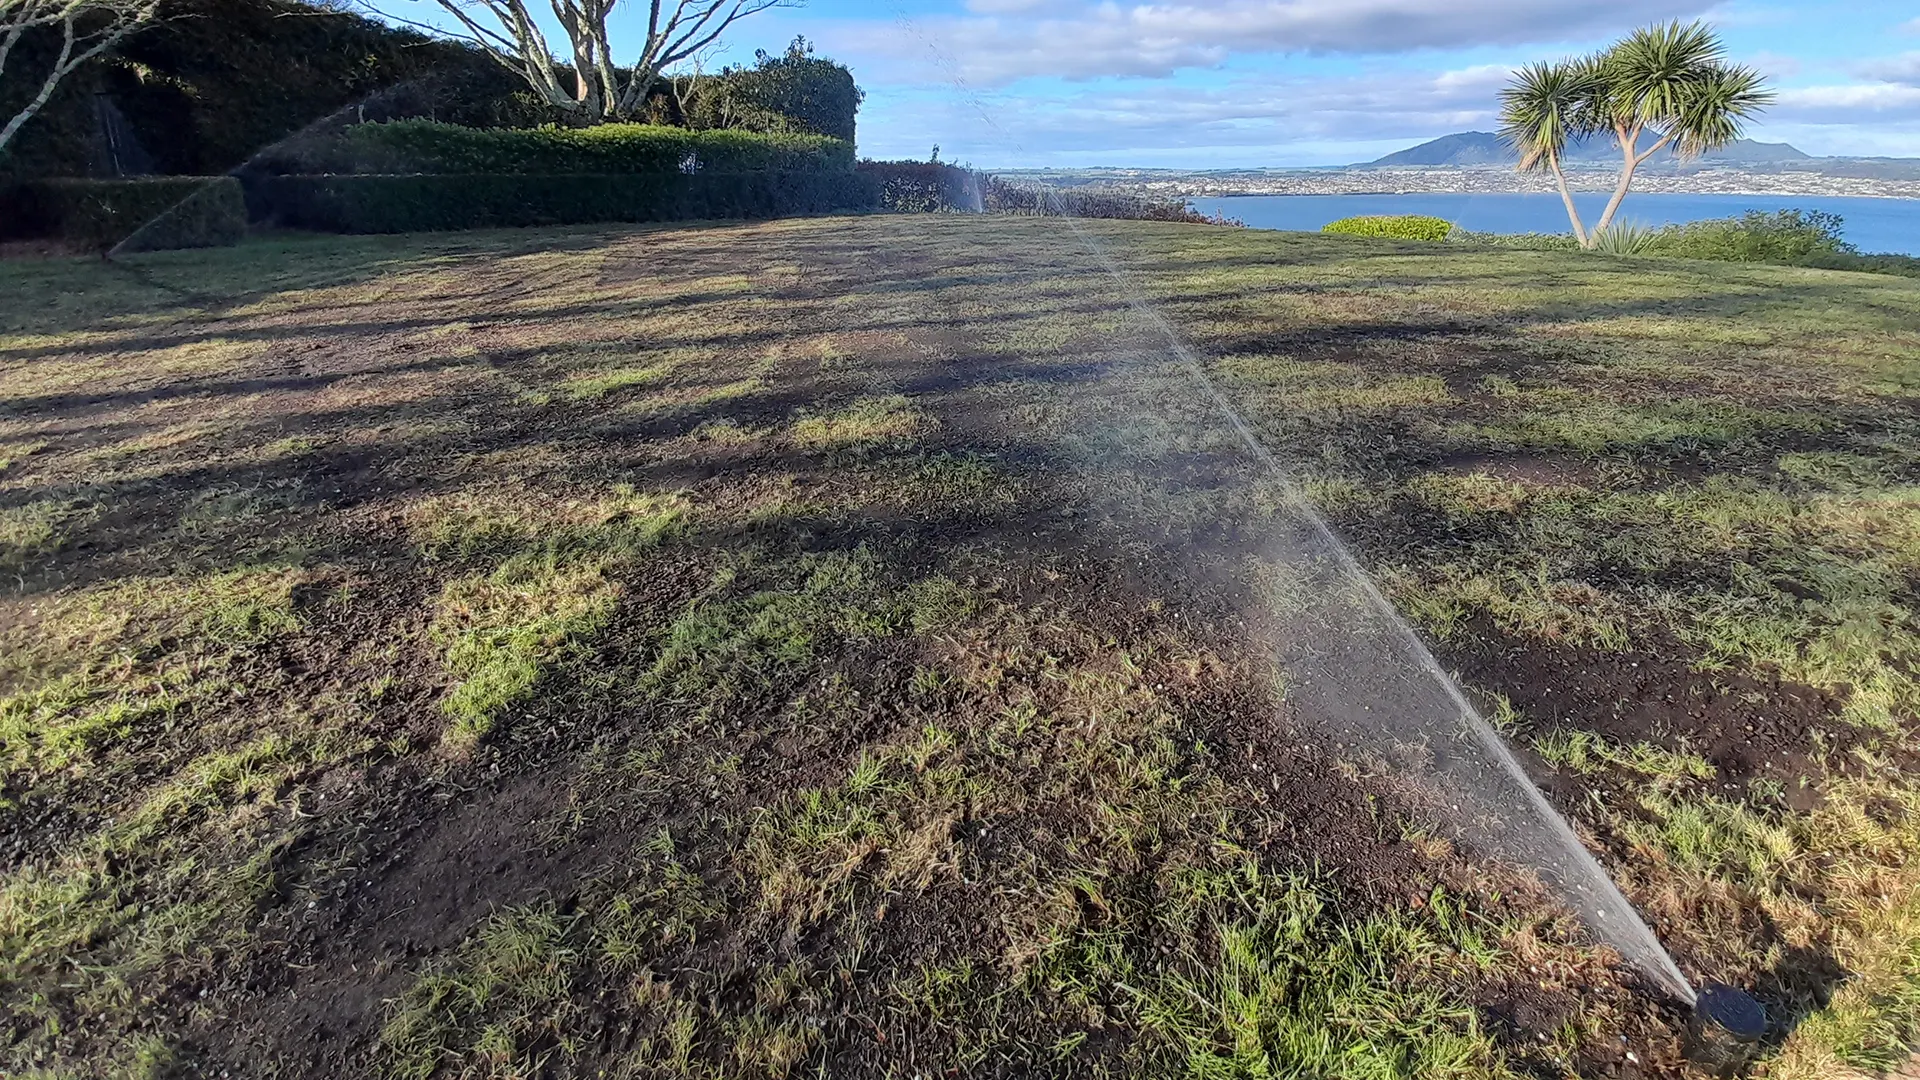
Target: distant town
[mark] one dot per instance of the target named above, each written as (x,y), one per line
(1476,162)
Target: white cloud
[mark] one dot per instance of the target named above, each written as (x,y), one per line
(1848,104)
(1348,116)
(1775,65)
(1006,40)
(1904,68)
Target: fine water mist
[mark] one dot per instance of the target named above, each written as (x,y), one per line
(1357,675)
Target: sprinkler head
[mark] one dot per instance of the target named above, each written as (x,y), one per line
(1732,1012)
(1726,1026)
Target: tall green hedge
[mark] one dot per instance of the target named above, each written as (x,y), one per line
(420,203)
(213,81)
(176,211)
(423,146)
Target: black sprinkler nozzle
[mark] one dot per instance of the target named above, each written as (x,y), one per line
(1726,1025)
(1732,1011)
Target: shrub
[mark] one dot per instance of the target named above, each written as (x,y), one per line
(922,187)
(1787,236)
(1900,265)
(102,213)
(423,146)
(1003,197)
(1392,227)
(419,203)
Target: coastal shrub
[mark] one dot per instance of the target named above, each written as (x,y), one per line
(425,146)
(1392,226)
(101,213)
(923,187)
(420,203)
(1900,265)
(1787,236)
(1005,197)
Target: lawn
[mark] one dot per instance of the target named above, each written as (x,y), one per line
(863,648)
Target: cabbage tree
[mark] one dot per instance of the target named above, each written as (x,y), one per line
(1671,83)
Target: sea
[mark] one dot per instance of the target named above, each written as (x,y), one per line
(1872,225)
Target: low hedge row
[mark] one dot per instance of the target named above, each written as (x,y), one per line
(423,146)
(1392,227)
(167,211)
(423,203)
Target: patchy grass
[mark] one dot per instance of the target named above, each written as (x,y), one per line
(491,655)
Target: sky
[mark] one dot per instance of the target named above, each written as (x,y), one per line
(1251,83)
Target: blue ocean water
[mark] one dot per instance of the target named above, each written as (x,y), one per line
(1874,225)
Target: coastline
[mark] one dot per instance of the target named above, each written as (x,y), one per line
(1173,184)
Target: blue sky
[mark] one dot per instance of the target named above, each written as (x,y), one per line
(1226,83)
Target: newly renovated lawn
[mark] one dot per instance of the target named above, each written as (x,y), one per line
(850,647)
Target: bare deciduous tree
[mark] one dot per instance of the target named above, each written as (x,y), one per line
(510,32)
(85,29)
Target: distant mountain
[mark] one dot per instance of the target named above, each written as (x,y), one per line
(1460,148)
(1486,148)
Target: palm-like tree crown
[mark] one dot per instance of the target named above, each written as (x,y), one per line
(1545,106)
(1674,80)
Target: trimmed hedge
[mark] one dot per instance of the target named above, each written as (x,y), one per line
(419,203)
(214,216)
(207,211)
(1392,227)
(424,146)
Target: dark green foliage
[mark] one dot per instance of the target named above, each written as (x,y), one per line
(1001,197)
(101,213)
(59,139)
(1810,238)
(1392,227)
(213,216)
(1788,237)
(420,203)
(921,187)
(1898,265)
(214,81)
(410,146)
(1523,241)
(792,93)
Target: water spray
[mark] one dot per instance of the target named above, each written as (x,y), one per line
(1356,668)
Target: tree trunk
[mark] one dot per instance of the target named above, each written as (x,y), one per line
(1573,213)
(1629,142)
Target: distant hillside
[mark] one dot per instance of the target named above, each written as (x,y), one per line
(1486,148)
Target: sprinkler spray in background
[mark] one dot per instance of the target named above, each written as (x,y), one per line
(1359,674)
